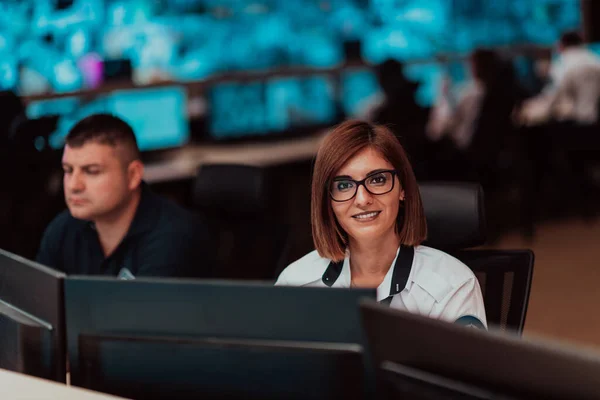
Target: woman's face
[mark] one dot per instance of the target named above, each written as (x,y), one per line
(367,216)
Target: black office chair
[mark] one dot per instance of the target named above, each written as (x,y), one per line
(455,222)
(251,243)
(455,215)
(505,278)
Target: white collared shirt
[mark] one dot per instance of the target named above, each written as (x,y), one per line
(574,91)
(570,60)
(458,121)
(438,285)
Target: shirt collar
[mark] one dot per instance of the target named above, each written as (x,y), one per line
(338,275)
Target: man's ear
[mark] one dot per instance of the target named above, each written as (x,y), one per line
(135,174)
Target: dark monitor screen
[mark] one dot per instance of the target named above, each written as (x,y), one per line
(496,362)
(32,335)
(26,343)
(401,382)
(208,309)
(184,368)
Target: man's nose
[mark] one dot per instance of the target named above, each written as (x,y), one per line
(75,182)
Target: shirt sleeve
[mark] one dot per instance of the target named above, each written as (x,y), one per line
(466,305)
(282,279)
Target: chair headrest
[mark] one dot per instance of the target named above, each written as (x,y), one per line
(236,190)
(455,214)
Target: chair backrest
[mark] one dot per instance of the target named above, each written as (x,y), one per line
(455,214)
(456,221)
(251,242)
(237,191)
(505,278)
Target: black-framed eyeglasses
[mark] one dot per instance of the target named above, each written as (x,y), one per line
(377,183)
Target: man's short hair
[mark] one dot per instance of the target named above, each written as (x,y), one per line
(104,129)
(571,39)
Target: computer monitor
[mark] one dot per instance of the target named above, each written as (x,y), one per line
(32,335)
(359,91)
(504,365)
(400,382)
(429,76)
(24,342)
(144,322)
(157,115)
(183,368)
(274,107)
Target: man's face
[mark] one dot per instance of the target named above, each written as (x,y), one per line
(97,182)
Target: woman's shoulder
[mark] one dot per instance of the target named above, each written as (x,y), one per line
(303,271)
(432,261)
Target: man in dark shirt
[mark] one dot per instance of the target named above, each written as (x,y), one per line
(115,225)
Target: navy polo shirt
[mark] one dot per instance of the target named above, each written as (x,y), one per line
(164,240)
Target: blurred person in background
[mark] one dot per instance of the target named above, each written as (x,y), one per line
(562,124)
(573,90)
(115,225)
(368,225)
(572,55)
(478,123)
(397,108)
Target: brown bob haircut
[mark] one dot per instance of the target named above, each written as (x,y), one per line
(340,145)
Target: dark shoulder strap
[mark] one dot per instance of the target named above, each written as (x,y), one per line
(332,273)
(401,272)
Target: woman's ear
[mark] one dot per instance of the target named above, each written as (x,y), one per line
(402,195)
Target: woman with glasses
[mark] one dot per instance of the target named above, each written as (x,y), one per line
(368,224)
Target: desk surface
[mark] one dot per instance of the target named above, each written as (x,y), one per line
(184,163)
(15,386)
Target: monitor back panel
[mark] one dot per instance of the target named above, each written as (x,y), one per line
(165,368)
(37,292)
(200,309)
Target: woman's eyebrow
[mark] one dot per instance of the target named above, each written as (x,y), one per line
(342,177)
(375,171)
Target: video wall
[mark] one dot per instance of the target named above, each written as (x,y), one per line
(61,46)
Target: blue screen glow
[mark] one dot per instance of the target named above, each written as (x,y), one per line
(157,115)
(238,108)
(59,46)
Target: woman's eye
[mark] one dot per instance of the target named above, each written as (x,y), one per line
(344,186)
(378,180)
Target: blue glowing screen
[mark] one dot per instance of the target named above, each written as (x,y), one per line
(157,115)
(62,45)
(359,87)
(275,105)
